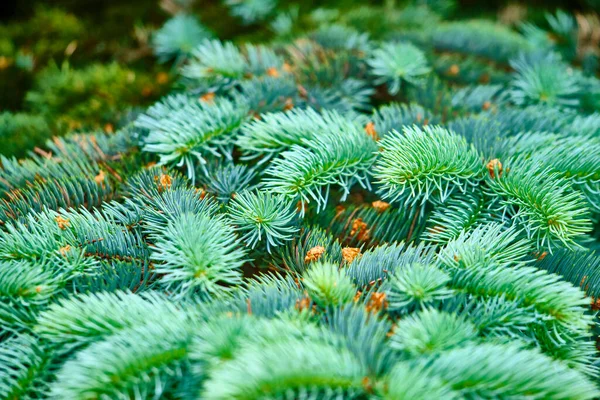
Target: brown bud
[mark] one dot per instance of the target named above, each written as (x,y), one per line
(367,384)
(380,206)
(303,304)
(377,302)
(164,182)
(360,229)
(273,72)
(64,250)
(289,104)
(453,70)
(100,177)
(493,166)
(370,129)
(208,97)
(63,223)
(301,206)
(5,62)
(392,331)
(314,254)
(109,128)
(147,91)
(350,253)
(162,78)
(302,92)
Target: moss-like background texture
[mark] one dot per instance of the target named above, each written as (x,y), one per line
(86,65)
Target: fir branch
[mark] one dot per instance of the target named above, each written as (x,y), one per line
(276,132)
(430,331)
(397,63)
(543,204)
(197,254)
(507,370)
(425,164)
(415,287)
(281,368)
(192,132)
(178,37)
(258,214)
(544,81)
(307,172)
(327,285)
(581,268)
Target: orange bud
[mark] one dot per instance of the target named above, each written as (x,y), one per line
(314,254)
(453,70)
(350,253)
(100,177)
(493,166)
(273,72)
(164,182)
(380,206)
(162,78)
(370,129)
(208,97)
(63,223)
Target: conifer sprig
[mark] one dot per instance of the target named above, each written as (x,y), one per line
(396,63)
(186,134)
(422,164)
(307,172)
(261,217)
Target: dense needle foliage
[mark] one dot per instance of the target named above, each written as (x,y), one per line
(364,202)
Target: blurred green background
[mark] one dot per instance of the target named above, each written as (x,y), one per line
(88,64)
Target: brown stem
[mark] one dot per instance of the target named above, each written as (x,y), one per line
(412,225)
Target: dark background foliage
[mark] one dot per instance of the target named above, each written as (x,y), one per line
(46,47)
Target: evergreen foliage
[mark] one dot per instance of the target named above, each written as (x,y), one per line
(374,202)
(178,37)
